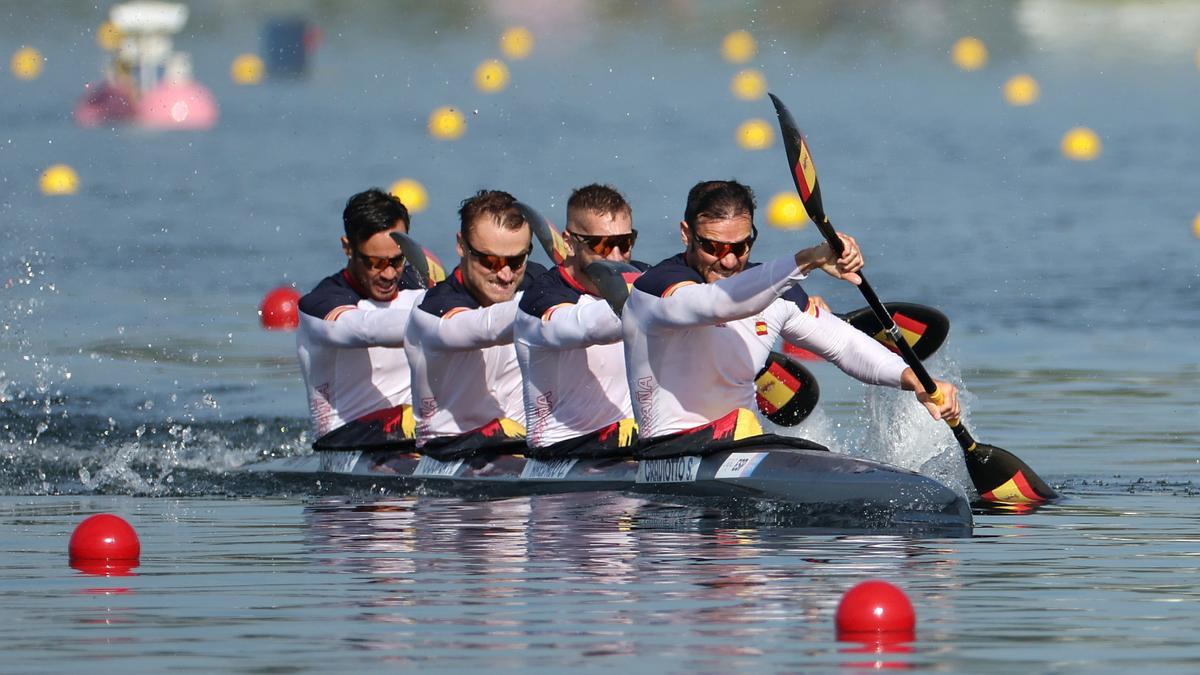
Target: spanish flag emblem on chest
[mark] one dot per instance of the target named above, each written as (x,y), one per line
(760,327)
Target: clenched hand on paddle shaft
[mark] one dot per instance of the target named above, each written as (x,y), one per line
(998,475)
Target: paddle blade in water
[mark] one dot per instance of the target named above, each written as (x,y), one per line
(1001,477)
(923,327)
(786,391)
(414,255)
(614,280)
(551,241)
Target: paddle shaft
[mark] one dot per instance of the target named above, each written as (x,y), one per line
(889,326)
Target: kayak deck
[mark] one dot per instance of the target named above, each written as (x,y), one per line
(815,488)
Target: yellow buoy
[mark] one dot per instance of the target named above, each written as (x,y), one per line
(491,76)
(447,123)
(749,85)
(969,53)
(755,134)
(27,63)
(1196,226)
(516,43)
(412,193)
(1021,90)
(739,46)
(247,69)
(59,179)
(1081,144)
(108,36)
(786,211)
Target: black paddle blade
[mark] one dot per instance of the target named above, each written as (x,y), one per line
(800,164)
(428,269)
(1001,477)
(551,241)
(923,327)
(786,392)
(614,280)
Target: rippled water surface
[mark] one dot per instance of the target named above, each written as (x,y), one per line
(134,378)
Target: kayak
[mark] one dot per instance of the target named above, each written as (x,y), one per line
(812,488)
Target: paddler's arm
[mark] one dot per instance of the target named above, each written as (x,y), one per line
(349,327)
(573,326)
(688,302)
(862,357)
(462,329)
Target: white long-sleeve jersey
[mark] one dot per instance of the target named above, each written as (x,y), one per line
(349,351)
(464,367)
(572,362)
(692,349)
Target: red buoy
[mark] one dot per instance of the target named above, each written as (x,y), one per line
(104,538)
(280,309)
(875,607)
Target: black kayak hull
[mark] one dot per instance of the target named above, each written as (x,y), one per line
(814,488)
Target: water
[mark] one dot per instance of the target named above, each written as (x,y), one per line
(135,378)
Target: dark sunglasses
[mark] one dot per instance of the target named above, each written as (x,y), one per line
(719,249)
(378,264)
(603,244)
(495,263)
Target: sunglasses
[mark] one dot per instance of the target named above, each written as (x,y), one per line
(603,244)
(495,263)
(719,249)
(378,264)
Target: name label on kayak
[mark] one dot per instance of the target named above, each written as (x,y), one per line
(740,464)
(554,469)
(339,462)
(670,470)
(429,466)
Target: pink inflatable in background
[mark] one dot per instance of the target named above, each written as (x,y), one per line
(147,82)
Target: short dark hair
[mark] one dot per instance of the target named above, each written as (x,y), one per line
(370,212)
(500,205)
(602,199)
(718,200)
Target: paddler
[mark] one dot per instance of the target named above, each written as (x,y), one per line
(698,326)
(465,378)
(568,339)
(353,321)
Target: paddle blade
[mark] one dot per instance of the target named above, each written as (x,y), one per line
(924,328)
(419,260)
(804,172)
(786,392)
(1001,477)
(551,241)
(614,280)
(437,271)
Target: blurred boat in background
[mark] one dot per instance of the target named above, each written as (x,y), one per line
(147,82)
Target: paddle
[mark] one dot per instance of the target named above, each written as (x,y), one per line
(786,391)
(998,475)
(427,267)
(924,327)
